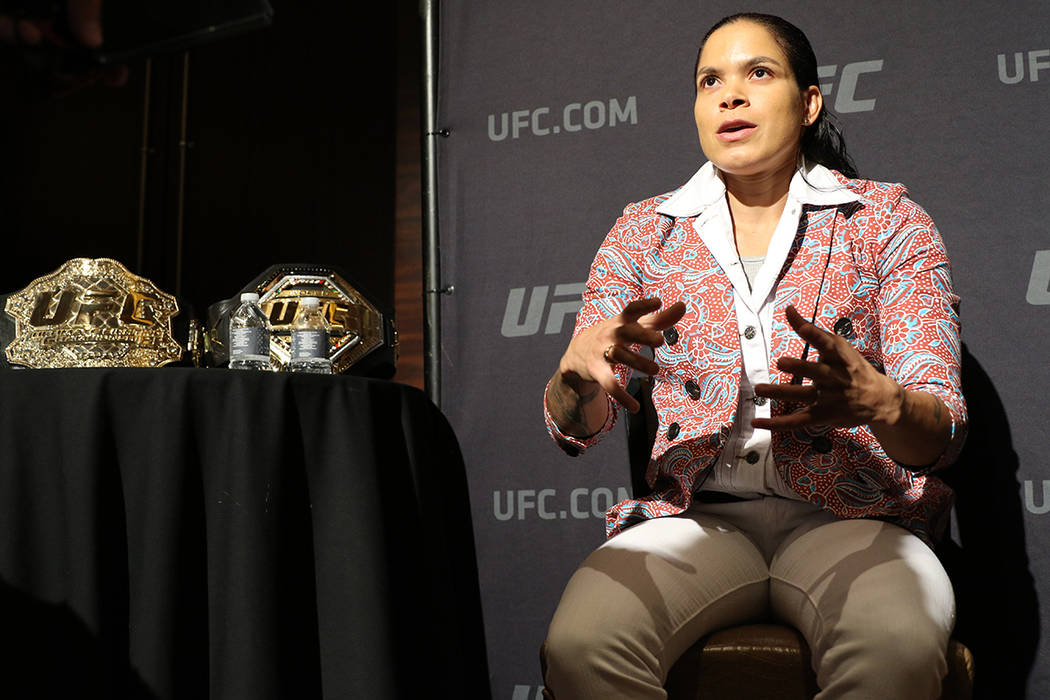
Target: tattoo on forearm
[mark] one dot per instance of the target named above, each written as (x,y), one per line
(587,398)
(567,406)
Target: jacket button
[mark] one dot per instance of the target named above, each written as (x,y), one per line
(671,335)
(821,444)
(673,430)
(693,389)
(749,332)
(752,457)
(844,327)
(759,400)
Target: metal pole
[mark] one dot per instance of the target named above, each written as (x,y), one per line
(180,212)
(431,243)
(144,154)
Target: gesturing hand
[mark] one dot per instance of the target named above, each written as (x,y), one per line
(846,390)
(83,16)
(43,43)
(591,354)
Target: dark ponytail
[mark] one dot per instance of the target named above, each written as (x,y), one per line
(822,141)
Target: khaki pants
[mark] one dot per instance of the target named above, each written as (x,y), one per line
(872,600)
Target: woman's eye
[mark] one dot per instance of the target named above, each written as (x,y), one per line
(708,81)
(761,73)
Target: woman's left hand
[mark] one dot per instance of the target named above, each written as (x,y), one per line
(846,389)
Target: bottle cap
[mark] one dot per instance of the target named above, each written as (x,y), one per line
(249,296)
(309,301)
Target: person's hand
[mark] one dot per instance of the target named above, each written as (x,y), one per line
(14,31)
(84,22)
(591,354)
(84,18)
(846,390)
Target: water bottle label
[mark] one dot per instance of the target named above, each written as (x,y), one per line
(309,344)
(249,343)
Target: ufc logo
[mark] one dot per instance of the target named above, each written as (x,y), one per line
(515,327)
(846,99)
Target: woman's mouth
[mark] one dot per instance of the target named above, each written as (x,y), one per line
(735,129)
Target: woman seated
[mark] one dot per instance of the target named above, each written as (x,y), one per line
(805,367)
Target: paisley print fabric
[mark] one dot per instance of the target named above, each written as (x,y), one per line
(879,262)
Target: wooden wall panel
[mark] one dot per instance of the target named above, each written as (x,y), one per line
(408,251)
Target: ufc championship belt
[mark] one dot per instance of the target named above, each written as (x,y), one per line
(363,333)
(90,313)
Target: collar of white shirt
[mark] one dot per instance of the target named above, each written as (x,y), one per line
(817,186)
(704,197)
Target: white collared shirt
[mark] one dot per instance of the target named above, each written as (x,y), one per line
(745,466)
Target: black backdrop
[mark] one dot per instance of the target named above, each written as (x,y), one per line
(289,156)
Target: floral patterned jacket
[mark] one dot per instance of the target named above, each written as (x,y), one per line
(878,262)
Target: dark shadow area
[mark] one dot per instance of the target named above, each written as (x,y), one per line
(205,168)
(641,434)
(998,608)
(50,653)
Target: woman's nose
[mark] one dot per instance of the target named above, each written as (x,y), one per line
(732,99)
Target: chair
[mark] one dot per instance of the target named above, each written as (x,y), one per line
(772,661)
(768,660)
(765,661)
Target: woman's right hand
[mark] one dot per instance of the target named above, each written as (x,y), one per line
(589,359)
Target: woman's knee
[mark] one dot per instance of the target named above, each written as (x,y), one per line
(899,659)
(592,656)
(632,602)
(875,605)
(600,632)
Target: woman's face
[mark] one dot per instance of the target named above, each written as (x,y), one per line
(749,111)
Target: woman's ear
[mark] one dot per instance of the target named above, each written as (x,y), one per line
(812,103)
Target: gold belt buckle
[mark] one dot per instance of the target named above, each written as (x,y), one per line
(360,329)
(92,313)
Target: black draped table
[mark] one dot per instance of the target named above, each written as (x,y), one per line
(183,533)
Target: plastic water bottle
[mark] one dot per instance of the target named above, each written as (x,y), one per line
(310,339)
(249,335)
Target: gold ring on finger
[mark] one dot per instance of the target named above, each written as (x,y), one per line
(607,354)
